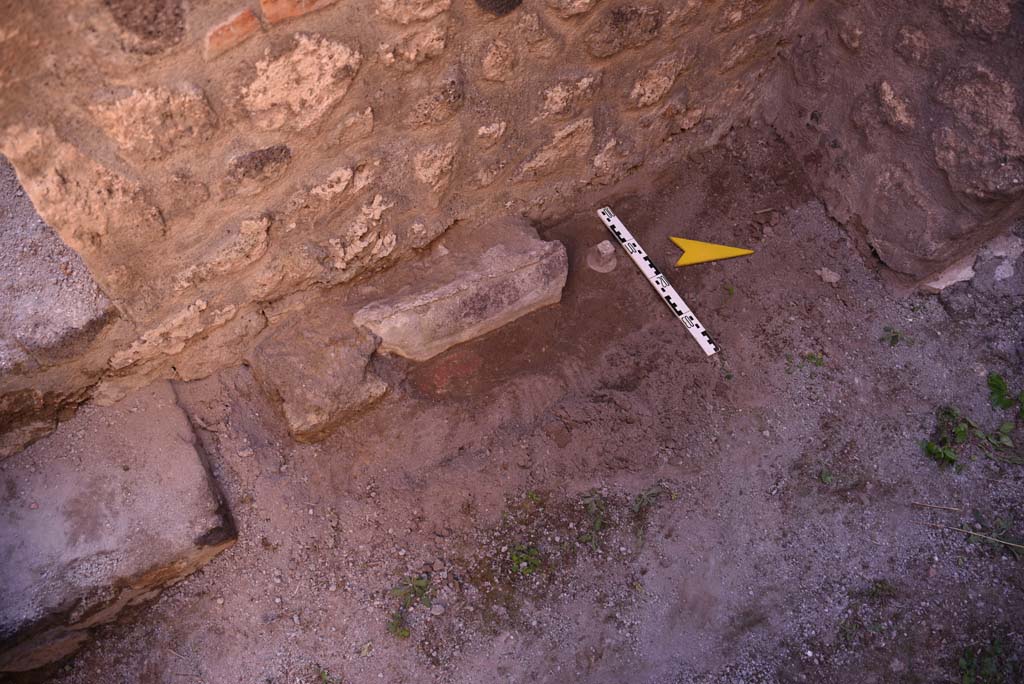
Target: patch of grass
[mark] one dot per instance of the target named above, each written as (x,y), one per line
(825,476)
(892,336)
(525,560)
(814,359)
(596,508)
(988,663)
(729,290)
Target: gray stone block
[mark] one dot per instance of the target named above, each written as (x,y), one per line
(465,296)
(101,515)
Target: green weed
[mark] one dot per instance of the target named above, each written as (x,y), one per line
(409,590)
(398,626)
(525,560)
(814,359)
(951,430)
(999,392)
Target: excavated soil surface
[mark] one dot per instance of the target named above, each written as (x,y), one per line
(583,497)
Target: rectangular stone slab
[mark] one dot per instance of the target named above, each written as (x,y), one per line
(104,513)
(463,297)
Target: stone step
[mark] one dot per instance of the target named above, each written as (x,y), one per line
(104,513)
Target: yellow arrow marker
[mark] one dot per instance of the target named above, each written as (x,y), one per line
(696,252)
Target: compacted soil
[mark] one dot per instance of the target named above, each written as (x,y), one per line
(582,496)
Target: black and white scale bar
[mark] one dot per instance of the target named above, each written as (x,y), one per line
(658,281)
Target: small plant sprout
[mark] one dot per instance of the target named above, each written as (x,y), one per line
(413,589)
(398,626)
(525,559)
(409,591)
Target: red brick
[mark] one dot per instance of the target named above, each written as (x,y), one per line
(279,10)
(230,33)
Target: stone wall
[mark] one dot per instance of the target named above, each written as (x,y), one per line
(218,165)
(909,122)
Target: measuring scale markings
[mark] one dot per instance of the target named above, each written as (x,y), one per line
(658,281)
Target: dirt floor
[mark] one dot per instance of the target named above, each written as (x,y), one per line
(583,497)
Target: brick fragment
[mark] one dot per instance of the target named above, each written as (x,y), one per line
(231,33)
(278,10)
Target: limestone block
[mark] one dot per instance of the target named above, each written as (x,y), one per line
(656,81)
(407,11)
(565,98)
(300,86)
(316,366)
(432,166)
(414,48)
(101,515)
(90,206)
(150,123)
(569,142)
(461,298)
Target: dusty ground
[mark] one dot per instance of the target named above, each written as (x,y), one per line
(590,499)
